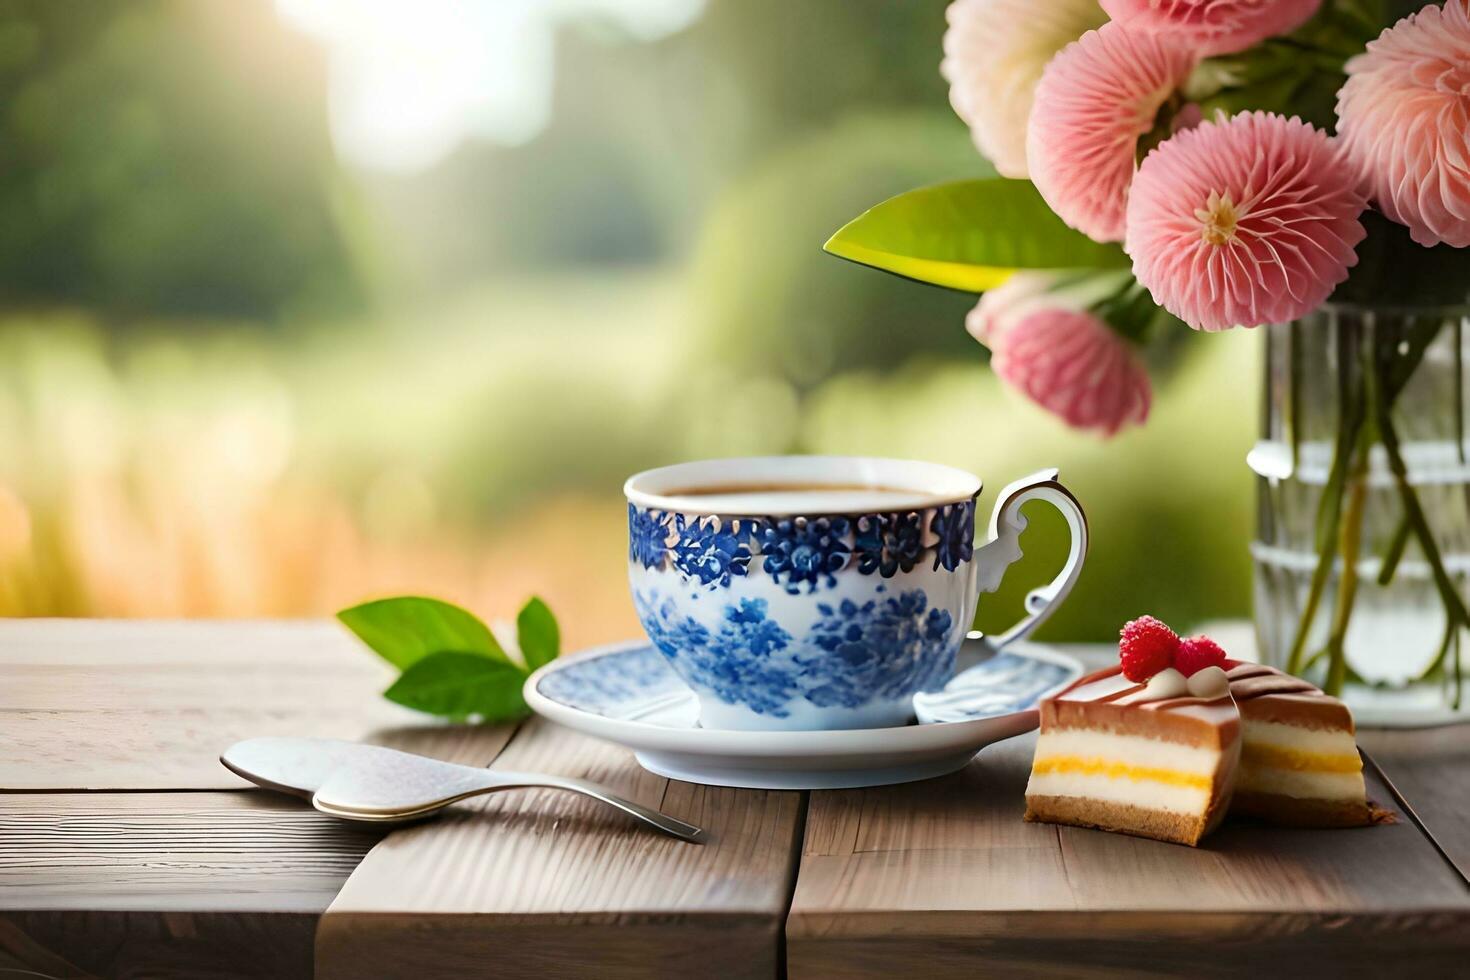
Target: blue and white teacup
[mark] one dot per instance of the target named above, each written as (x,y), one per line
(822,592)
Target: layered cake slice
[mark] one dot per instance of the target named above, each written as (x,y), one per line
(1299,762)
(1138,748)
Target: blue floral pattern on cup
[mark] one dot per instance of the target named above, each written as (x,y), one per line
(955,529)
(888,543)
(648,535)
(801,554)
(739,663)
(808,552)
(710,552)
(884,648)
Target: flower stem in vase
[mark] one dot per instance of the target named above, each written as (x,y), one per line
(1395,552)
(1457,616)
(1349,539)
(1350,417)
(1459,679)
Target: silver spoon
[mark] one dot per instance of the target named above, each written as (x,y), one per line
(372,784)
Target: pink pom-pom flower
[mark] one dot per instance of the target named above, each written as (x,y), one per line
(994,51)
(1050,347)
(1404,120)
(1094,101)
(1213,26)
(1244,221)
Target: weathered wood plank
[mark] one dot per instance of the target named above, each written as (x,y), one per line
(118,705)
(945,879)
(165,852)
(1431,768)
(179,883)
(167,884)
(541,883)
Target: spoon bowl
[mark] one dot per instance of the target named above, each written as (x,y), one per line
(372,784)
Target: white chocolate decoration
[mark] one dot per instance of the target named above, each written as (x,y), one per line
(1167,683)
(1210,683)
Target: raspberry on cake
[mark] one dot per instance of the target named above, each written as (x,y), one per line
(1154,759)
(1299,761)
(1145,647)
(1197,653)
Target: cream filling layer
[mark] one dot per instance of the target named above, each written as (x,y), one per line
(1300,785)
(1131,750)
(1150,795)
(1131,769)
(1318,741)
(1306,763)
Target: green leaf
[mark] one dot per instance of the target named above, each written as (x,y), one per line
(969,235)
(406,629)
(537,633)
(458,685)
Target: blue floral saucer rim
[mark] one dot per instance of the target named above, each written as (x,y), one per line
(633,682)
(649,710)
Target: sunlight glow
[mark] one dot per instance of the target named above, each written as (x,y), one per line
(409,82)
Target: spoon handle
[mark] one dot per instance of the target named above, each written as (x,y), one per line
(660,821)
(389,794)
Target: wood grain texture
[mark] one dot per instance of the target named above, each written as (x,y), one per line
(541,883)
(157,884)
(944,879)
(167,884)
(1430,768)
(118,705)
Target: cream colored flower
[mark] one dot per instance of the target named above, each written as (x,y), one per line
(994,52)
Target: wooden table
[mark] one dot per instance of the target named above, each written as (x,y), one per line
(126,850)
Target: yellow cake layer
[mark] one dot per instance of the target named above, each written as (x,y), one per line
(1256,754)
(1079,765)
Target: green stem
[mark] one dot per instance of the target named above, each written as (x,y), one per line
(1395,552)
(1459,388)
(1454,701)
(1350,536)
(1350,529)
(1294,395)
(1414,514)
(1313,660)
(1435,665)
(1350,412)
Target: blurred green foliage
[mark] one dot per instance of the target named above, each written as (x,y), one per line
(209,321)
(772,302)
(151,163)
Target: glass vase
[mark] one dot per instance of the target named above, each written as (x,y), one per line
(1363,513)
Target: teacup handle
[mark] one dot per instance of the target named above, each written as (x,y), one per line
(1004,547)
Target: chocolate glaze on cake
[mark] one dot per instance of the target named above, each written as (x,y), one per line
(1093,702)
(1268,694)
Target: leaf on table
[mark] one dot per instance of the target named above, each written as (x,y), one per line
(537,634)
(459,685)
(969,235)
(406,629)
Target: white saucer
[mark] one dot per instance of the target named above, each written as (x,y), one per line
(629,695)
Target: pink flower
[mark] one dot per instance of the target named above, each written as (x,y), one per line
(1213,26)
(1000,308)
(1051,348)
(1404,120)
(1094,101)
(1244,221)
(994,52)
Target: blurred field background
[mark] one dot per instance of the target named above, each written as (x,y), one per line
(307,302)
